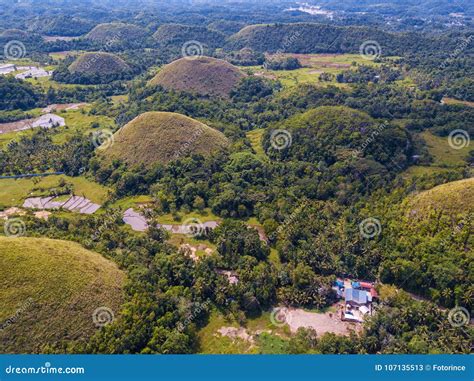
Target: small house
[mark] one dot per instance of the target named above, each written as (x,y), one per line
(357,297)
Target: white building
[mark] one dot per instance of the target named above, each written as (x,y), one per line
(48,121)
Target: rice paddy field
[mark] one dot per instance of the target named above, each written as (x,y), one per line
(14,191)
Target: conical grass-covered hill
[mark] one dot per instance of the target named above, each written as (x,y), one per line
(204,75)
(162,137)
(53,292)
(110,33)
(99,63)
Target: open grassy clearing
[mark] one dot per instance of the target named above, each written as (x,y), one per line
(76,121)
(62,55)
(213,343)
(205,216)
(445,158)
(47,83)
(314,65)
(443,154)
(269,340)
(255,138)
(117,99)
(452,101)
(13,192)
(52,289)
(132,202)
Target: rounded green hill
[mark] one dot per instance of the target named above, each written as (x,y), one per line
(162,137)
(13,33)
(203,75)
(49,292)
(99,63)
(178,34)
(111,33)
(335,133)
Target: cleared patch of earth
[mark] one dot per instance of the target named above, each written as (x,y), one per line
(139,223)
(236,333)
(66,106)
(322,323)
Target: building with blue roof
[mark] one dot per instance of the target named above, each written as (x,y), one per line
(354,296)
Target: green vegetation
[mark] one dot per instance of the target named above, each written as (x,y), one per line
(256,139)
(308,155)
(14,191)
(41,280)
(443,154)
(77,122)
(179,34)
(319,38)
(329,134)
(15,94)
(214,343)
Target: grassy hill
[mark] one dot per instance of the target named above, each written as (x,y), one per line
(50,290)
(228,27)
(111,33)
(161,137)
(450,199)
(13,33)
(430,244)
(62,26)
(204,75)
(177,34)
(99,63)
